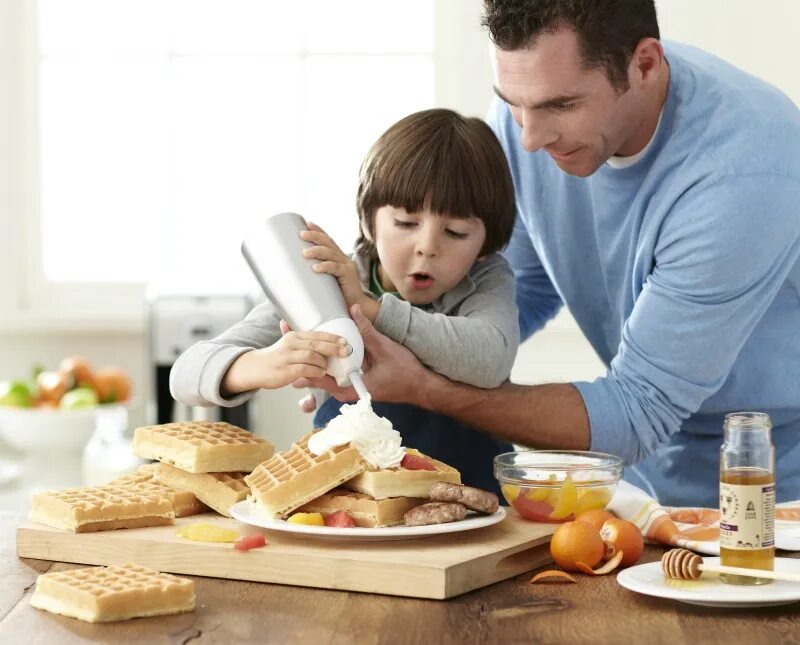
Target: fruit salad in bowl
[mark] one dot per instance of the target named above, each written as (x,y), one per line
(55,410)
(557,485)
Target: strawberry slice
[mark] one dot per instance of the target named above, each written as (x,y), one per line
(247,542)
(416,462)
(340,520)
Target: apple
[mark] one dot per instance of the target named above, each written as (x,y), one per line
(52,386)
(15,394)
(79,369)
(113,385)
(79,398)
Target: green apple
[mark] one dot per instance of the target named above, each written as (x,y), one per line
(79,398)
(16,394)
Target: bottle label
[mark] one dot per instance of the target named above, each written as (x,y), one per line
(746,516)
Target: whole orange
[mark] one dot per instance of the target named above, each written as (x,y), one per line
(576,542)
(596,518)
(621,535)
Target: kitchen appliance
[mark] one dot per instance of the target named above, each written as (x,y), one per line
(177,321)
(307,300)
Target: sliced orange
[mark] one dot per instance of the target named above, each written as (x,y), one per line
(510,492)
(566,500)
(553,575)
(590,499)
(538,493)
(608,567)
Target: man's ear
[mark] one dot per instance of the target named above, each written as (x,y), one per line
(646,61)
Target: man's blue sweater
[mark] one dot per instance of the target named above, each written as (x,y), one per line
(682,271)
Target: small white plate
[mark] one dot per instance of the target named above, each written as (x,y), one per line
(245,511)
(708,590)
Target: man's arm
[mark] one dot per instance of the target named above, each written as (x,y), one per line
(545,416)
(540,416)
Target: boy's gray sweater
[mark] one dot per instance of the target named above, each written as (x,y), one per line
(469,334)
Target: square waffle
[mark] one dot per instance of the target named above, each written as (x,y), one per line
(384,483)
(290,479)
(104,594)
(364,510)
(142,474)
(184,502)
(219,490)
(101,508)
(202,446)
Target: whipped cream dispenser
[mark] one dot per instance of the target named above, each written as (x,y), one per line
(307,300)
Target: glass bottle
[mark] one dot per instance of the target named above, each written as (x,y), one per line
(747,496)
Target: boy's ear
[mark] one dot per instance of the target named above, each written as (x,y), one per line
(365,231)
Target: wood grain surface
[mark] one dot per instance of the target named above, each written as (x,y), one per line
(596,610)
(433,567)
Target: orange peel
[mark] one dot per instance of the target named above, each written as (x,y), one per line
(608,567)
(554,575)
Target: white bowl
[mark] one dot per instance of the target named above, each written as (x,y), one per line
(46,429)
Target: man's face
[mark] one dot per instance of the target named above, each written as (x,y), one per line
(576,115)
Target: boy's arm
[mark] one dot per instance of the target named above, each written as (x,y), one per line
(196,376)
(478,344)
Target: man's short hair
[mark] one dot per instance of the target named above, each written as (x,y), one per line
(608,30)
(440,160)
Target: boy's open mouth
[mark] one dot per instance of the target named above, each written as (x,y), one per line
(421,280)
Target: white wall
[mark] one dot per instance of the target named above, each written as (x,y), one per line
(761,42)
(760,37)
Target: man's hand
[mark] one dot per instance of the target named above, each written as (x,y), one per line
(391,372)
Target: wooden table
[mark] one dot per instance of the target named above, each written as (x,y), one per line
(596,610)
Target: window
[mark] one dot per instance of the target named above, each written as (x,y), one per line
(165,126)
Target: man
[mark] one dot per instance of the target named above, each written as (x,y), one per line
(658,193)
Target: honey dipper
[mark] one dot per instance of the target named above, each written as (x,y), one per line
(682,564)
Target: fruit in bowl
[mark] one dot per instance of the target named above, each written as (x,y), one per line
(56,409)
(557,485)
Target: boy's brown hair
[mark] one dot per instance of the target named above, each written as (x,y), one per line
(438,159)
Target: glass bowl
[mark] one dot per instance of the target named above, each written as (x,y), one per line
(557,485)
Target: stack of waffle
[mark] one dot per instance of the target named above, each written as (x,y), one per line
(340,480)
(210,460)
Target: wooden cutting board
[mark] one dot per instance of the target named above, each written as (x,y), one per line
(437,567)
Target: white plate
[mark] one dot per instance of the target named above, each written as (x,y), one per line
(709,590)
(245,511)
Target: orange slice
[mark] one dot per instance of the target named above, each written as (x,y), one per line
(608,567)
(309,519)
(510,492)
(207,533)
(553,575)
(565,500)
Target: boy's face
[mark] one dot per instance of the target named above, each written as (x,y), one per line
(576,115)
(424,255)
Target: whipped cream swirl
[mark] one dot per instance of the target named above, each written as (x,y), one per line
(374,437)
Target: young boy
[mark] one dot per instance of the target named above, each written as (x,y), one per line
(436,204)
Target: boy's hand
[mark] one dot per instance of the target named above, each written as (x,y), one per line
(334,262)
(391,372)
(295,355)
